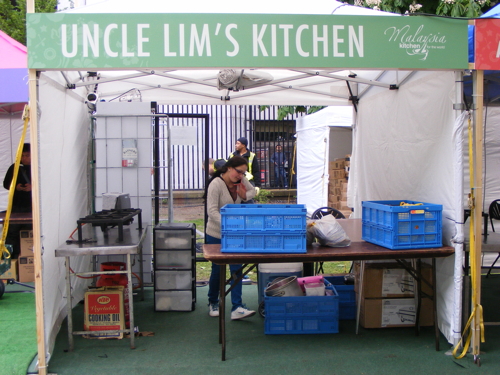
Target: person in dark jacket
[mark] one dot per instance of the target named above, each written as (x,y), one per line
(22,193)
(279,161)
(21,201)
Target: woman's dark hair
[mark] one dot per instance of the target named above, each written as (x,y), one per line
(234,162)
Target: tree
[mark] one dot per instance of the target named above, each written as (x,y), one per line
(450,8)
(285,110)
(13,16)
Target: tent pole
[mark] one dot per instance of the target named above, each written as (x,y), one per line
(35,193)
(478,77)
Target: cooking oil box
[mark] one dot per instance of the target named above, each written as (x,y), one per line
(104,312)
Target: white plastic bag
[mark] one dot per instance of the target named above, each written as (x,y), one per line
(328,232)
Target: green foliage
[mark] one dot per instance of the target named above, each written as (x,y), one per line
(462,8)
(13,16)
(451,8)
(264,196)
(285,110)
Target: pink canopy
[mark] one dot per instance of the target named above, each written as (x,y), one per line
(13,74)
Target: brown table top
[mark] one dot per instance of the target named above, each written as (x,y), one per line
(17,217)
(358,250)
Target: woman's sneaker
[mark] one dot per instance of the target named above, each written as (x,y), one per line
(213,309)
(241,312)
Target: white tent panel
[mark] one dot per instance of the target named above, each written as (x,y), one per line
(313,154)
(64,192)
(404,151)
(491,177)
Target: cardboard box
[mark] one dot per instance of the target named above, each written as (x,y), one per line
(11,273)
(343,205)
(104,312)
(347,214)
(390,280)
(394,312)
(333,198)
(26,267)
(339,164)
(26,243)
(337,173)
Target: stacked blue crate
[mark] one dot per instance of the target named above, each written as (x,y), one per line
(413,225)
(267,228)
(347,297)
(302,315)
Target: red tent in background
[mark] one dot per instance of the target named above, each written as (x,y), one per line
(13,75)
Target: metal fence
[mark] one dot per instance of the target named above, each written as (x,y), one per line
(226,124)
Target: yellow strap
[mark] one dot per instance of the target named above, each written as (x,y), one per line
(4,253)
(410,204)
(477,311)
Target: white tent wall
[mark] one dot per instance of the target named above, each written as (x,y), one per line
(403,149)
(64,194)
(11,128)
(314,146)
(491,158)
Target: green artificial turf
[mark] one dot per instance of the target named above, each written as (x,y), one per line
(18,344)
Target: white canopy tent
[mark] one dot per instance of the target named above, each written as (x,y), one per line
(401,115)
(315,143)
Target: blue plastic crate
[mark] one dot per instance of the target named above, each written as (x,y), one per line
(347,297)
(414,226)
(263,217)
(264,242)
(302,315)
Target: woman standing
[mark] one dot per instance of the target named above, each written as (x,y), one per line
(227,186)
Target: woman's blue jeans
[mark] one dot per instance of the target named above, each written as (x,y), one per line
(214,282)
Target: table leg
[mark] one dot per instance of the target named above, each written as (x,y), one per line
(141,271)
(358,306)
(434,299)
(69,306)
(222,310)
(417,265)
(485,223)
(130,303)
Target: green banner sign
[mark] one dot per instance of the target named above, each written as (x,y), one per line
(138,41)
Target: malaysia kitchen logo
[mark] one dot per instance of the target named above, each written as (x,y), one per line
(417,42)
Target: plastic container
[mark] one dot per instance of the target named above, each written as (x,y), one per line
(174,236)
(414,226)
(268,217)
(174,300)
(167,259)
(269,228)
(309,279)
(347,297)
(267,272)
(270,243)
(302,315)
(173,280)
(314,289)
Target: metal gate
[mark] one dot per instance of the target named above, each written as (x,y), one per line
(226,124)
